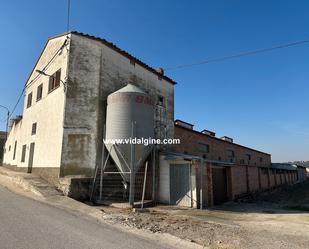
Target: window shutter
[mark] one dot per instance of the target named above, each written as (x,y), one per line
(50,84)
(58,74)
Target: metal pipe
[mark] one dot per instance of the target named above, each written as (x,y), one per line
(144,185)
(201,183)
(102,165)
(154,174)
(132,163)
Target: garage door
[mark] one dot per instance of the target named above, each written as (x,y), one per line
(180,190)
(219,185)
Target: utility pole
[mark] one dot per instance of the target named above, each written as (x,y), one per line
(7,121)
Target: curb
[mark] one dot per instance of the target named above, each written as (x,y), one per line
(21,182)
(73,206)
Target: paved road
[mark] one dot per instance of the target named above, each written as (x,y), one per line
(28,224)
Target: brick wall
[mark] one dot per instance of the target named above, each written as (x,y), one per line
(239,184)
(264,178)
(243,176)
(272,178)
(253,179)
(190,141)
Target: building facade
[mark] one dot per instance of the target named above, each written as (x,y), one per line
(61,131)
(2,145)
(204,170)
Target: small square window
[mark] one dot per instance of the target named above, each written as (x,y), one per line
(160,100)
(132,62)
(203,147)
(230,153)
(33,130)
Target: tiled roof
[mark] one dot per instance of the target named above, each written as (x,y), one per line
(122,52)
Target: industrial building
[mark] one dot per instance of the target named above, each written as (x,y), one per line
(83,91)
(60,134)
(204,170)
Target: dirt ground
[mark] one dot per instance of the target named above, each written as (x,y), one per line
(279,220)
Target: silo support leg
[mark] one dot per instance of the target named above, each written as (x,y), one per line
(144,185)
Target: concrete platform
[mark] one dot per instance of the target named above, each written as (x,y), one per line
(124,204)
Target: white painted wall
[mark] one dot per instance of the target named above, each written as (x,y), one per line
(47,113)
(164,181)
(70,125)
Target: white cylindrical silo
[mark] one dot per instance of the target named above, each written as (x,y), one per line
(127,106)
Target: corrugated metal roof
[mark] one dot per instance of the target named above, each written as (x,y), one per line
(285,166)
(173,156)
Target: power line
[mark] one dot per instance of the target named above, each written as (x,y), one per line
(68,15)
(36,77)
(248,53)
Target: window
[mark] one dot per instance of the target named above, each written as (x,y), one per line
(10,148)
(29,100)
(23,154)
(54,81)
(260,159)
(33,131)
(160,101)
(132,62)
(39,92)
(203,147)
(242,161)
(14,154)
(230,153)
(248,157)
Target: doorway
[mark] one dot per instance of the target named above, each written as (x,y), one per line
(31,154)
(219,184)
(180,185)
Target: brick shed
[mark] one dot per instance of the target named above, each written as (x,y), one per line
(204,170)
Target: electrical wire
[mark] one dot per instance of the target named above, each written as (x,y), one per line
(36,77)
(248,53)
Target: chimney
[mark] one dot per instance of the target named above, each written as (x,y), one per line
(228,139)
(160,71)
(184,124)
(208,132)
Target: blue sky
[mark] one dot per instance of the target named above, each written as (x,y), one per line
(261,101)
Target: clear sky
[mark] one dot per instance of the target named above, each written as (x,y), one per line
(261,101)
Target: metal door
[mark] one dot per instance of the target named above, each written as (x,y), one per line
(219,185)
(180,185)
(31,154)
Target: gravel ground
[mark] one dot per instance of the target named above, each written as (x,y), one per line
(260,224)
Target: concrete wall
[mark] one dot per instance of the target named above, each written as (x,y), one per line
(47,113)
(164,181)
(95,71)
